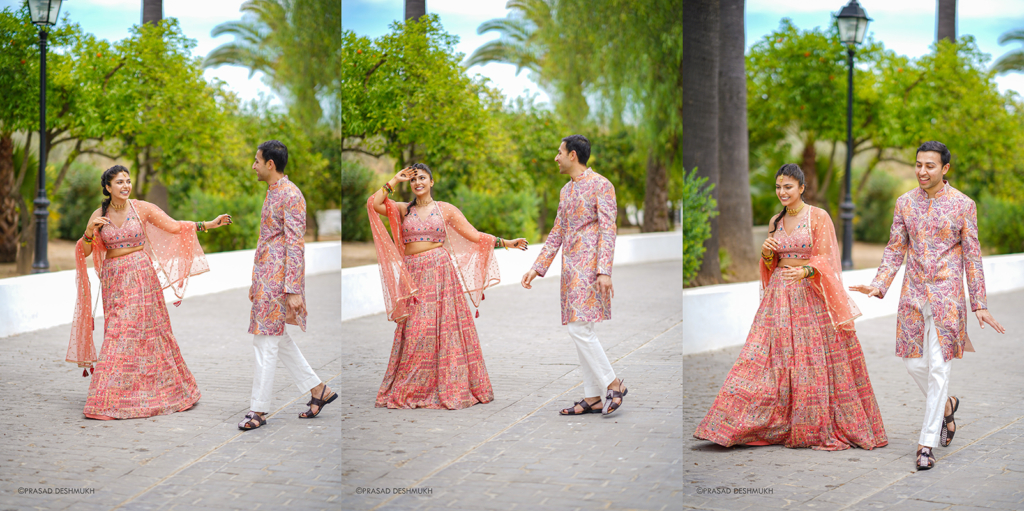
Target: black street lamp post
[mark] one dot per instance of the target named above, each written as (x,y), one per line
(853,24)
(44,13)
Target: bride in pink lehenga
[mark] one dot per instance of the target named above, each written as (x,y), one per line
(138,251)
(436,257)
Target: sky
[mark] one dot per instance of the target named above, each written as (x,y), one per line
(112,19)
(905,26)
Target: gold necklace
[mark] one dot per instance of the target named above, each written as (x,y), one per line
(122,206)
(794,212)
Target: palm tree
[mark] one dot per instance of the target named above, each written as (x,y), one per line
(1013,60)
(414,9)
(152,11)
(700,111)
(257,44)
(945,27)
(520,41)
(735,226)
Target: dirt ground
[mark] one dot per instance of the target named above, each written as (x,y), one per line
(61,254)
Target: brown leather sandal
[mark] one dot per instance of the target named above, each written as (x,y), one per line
(319,402)
(251,419)
(946,436)
(587,408)
(924,454)
(609,405)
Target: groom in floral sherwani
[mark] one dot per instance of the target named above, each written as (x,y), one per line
(278,289)
(585,231)
(935,227)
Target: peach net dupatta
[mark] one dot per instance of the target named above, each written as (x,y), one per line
(175,256)
(474,260)
(829,278)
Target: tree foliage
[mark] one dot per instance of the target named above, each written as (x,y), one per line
(698,210)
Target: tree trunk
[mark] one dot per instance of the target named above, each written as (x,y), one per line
(809,164)
(735,222)
(152,11)
(945,23)
(415,8)
(700,112)
(655,195)
(8,205)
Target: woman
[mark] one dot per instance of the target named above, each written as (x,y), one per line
(436,256)
(138,251)
(800,380)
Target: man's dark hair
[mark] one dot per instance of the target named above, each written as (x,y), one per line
(938,147)
(580,144)
(275,150)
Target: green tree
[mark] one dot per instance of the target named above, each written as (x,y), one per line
(406,96)
(698,210)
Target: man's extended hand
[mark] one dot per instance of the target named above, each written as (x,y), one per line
(604,285)
(985,317)
(528,277)
(294,306)
(868,290)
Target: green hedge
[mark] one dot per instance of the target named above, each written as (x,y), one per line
(357,183)
(244,231)
(874,206)
(78,197)
(509,215)
(999,224)
(698,210)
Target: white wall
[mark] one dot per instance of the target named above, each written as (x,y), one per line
(362,294)
(716,317)
(34,302)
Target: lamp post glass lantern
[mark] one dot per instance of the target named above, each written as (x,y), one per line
(853,25)
(44,14)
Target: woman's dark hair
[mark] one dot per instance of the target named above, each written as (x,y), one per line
(938,147)
(424,168)
(792,170)
(108,176)
(276,151)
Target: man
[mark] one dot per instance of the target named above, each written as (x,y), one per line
(585,231)
(277,291)
(938,225)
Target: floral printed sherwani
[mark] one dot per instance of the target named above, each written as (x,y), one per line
(279,266)
(585,231)
(941,236)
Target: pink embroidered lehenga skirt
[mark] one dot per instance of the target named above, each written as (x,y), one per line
(140,372)
(798,381)
(436,360)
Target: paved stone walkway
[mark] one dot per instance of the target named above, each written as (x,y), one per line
(982,469)
(194,460)
(517,453)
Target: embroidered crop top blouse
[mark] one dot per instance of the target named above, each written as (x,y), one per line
(429,227)
(129,235)
(796,245)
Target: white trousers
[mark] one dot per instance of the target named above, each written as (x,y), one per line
(268,349)
(597,371)
(931,373)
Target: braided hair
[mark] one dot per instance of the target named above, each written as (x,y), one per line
(108,176)
(425,168)
(792,170)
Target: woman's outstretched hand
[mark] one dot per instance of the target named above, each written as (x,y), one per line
(519,243)
(220,221)
(868,290)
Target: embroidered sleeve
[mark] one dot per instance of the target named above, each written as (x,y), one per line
(294,232)
(972,259)
(895,251)
(551,246)
(606,213)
